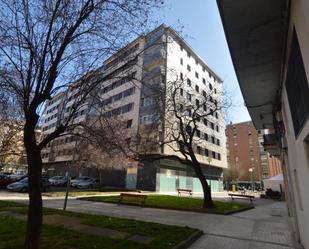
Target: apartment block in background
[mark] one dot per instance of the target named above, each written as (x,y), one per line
(246,155)
(156,60)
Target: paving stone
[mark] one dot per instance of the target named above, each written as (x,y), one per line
(141,239)
(75,224)
(12,214)
(91,230)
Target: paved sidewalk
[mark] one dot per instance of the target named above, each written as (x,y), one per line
(264,227)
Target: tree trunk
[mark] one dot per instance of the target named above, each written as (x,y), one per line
(208,202)
(34,224)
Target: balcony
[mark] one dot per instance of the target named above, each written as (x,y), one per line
(272,144)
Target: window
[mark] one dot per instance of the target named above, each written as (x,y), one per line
(189,96)
(189,68)
(189,82)
(189,54)
(197,103)
(197,88)
(181,61)
(215,90)
(216,114)
(206,136)
(212,125)
(210,86)
(199,150)
(204,94)
(219,156)
(196,62)
(297,87)
(204,69)
(180,107)
(213,139)
(196,75)
(213,154)
(198,133)
(218,142)
(204,81)
(181,92)
(206,152)
(217,128)
(205,108)
(129,123)
(147,101)
(205,121)
(181,47)
(181,76)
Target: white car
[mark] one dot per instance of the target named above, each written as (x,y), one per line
(89,183)
(58,180)
(75,181)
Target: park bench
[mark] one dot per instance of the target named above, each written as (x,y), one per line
(234,196)
(139,198)
(183,190)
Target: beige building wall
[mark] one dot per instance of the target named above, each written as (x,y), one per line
(296,149)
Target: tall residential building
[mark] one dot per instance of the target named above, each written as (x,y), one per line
(246,155)
(269,46)
(244,151)
(150,63)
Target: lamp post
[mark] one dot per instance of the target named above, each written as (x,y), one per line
(251,174)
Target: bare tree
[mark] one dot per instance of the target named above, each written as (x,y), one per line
(47,45)
(176,124)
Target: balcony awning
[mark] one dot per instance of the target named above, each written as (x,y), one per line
(255,32)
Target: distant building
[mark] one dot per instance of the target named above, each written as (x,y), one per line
(162,54)
(246,155)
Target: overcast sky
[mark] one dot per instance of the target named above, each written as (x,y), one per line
(202,29)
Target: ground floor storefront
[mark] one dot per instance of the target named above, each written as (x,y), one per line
(160,176)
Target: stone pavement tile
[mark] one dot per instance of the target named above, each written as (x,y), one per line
(275,232)
(97,231)
(75,224)
(141,239)
(13,214)
(261,245)
(216,242)
(60,220)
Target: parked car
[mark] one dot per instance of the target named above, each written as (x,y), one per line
(17,177)
(58,180)
(22,185)
(75,181)
(88,183)
(5,180)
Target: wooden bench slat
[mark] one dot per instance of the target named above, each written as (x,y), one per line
(182,190)
(250,197)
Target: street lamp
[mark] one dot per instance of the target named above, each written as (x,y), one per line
(252,184)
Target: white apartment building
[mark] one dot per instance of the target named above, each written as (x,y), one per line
(156,60)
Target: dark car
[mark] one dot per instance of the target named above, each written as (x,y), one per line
(5,180)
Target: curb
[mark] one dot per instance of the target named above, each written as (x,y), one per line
(189,241)
(171,208)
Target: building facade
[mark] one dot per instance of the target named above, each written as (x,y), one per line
(247,157)
(270,52)
(150,63)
